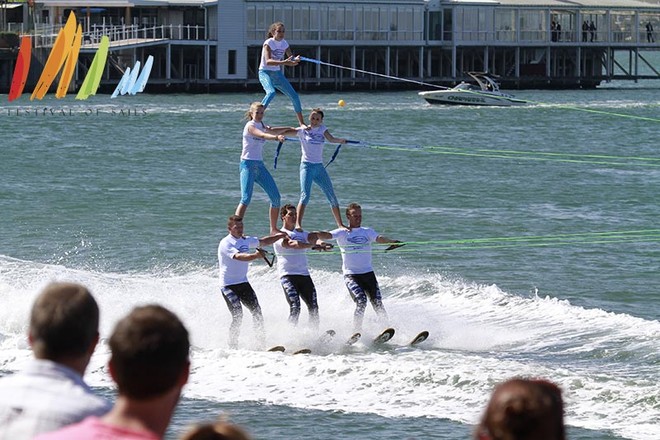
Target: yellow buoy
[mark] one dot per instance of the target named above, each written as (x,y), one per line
(341,103)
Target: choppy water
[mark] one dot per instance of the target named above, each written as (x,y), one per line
(533,250)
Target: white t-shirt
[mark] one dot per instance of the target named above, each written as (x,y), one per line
(233,271)
(277,52)
(311,143)
(291,261)
(253,147)
(355,246)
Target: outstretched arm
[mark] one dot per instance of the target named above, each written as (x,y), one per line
(333,139)
(285,131)
(317,237)
(395,243)
(384,240)
(266,134)
(270,239)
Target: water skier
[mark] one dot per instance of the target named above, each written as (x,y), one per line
(292,265)
(359,276)
(234,257)
(312,140)
(273,54)
(252,168)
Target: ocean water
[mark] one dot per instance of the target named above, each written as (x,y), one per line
(533,250)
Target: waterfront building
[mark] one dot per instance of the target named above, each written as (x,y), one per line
(384,44)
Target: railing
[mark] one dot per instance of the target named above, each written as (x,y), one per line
(44,35)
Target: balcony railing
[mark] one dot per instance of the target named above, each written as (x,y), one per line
(44,35)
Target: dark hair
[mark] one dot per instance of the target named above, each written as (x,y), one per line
(524,409)
(285,209)
(234,219)
(216,431)
(150,350)
(64,321)
(352,206)
(317,110)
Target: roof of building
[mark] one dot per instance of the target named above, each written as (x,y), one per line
(557,4)
(567,4)
(124,3)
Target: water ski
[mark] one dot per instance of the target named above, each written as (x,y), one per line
(419,338)
(277,348)
(303,351)
(327,336)
(354,338)
(384,337)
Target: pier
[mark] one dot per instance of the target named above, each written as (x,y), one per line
(202,45)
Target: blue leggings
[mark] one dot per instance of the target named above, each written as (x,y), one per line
(315,172)
(275,79)
(254,171)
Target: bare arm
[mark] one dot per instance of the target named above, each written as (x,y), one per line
(266,134)
(319,235)
(333,139)
(289,61)
(270,239)
(384,240)
(395,243)
(286,131)
(245,256)
(317,239)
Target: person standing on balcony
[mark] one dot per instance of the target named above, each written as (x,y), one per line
(649,33)
(276,53)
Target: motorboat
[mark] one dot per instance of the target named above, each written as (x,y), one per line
(485,92)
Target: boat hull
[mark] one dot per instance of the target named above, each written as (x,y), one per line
(458,97)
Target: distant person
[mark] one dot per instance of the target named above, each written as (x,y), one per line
(553,31)
(276,53)
(592,31)
(50,392)
(558,31)
(649,33)
(312,170)
(523,409)
(150,364)
(234,257)
(359,276)
(252,168)
(216,431)
(585,30)
(292,265)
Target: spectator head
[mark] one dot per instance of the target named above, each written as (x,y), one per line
(64,323)
(523,409)
(150,353)
(216,431)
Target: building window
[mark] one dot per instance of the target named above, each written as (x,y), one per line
(231,62)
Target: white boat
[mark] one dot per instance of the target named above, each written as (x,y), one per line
(486,91)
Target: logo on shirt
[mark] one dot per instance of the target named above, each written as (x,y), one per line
(314,137)
(359,239)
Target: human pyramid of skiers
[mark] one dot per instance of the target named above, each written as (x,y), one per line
(291,241)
